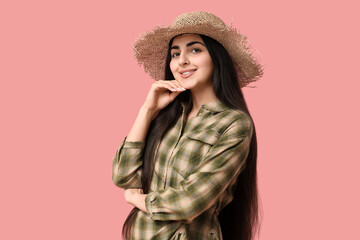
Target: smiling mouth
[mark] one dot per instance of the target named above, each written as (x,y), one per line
(187,72)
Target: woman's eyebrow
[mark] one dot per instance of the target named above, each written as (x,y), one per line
(192,43)
(188,44)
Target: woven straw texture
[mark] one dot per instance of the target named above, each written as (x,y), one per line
(150,49)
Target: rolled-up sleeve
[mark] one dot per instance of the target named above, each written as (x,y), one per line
(126,164)
(201,189)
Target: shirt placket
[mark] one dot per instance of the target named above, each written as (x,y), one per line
(173,149)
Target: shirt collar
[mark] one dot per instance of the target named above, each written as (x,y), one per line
(214,107)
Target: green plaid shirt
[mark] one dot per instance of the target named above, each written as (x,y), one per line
(196,166)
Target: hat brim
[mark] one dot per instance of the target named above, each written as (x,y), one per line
(150,50)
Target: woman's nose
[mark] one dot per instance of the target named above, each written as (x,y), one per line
(183,60)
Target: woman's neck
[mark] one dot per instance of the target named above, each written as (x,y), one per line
(202,97)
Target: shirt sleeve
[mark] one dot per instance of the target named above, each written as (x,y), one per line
(201,189)
(126,164)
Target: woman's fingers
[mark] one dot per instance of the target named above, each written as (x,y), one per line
(159,86)
(162,92)
(171,85)
(177,85)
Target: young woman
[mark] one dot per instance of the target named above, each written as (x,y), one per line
(188,164)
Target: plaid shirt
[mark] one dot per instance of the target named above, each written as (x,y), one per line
(196,166)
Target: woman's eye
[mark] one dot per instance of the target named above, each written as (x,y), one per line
(174,55)
(196,50)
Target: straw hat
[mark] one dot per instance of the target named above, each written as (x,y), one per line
(150,49)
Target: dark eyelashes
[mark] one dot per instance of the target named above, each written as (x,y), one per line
(172,55)
(192,50)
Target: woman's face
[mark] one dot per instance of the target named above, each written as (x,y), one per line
(191,63)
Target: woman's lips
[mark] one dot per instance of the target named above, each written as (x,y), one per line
(186,74)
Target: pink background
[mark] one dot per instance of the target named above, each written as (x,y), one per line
(70,91)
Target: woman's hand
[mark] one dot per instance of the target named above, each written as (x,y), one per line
(135,197)
(159,96)
(129,194)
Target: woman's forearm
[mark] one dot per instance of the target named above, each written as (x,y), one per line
(136,198)
(141,125)
(138,132)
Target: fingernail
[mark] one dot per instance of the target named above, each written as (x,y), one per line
(183,89)
(173,89)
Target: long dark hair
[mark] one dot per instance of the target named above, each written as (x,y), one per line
(240,218)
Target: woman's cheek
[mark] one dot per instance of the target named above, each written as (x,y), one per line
(172,68)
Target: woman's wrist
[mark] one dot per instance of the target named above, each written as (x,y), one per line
(141,125)
(128,195)
(148,113)
(136,198)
